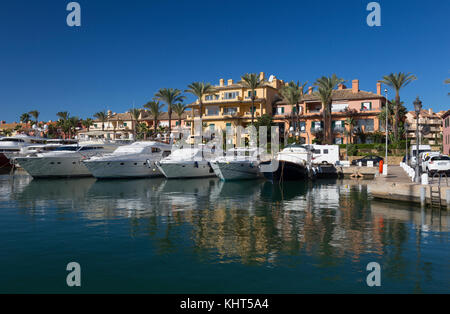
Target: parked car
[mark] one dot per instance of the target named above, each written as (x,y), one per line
(438,164)
(422,149)
(424,157)
(376,160)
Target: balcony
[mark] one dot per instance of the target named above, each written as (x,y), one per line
(339,129)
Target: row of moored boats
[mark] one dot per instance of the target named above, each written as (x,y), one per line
(109,160)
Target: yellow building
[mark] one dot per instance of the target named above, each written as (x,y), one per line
(230,104)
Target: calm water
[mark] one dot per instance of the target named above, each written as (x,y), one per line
(207,236)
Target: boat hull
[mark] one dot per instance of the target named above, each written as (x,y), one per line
(4,161)
(54,167)
(236,170)
(123,169)
(287,171)
(191,169)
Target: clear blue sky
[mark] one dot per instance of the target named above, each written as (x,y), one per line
(126,50)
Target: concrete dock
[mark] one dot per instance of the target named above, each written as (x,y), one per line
(398,186)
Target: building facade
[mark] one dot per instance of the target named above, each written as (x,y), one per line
(446,132)
(351,108)
(426,118)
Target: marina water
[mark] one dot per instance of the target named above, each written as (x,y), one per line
(209,236)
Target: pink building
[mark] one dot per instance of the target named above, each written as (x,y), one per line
(446,132)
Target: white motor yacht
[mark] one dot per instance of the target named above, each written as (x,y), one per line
(292,163)
(64,161)
(189,163)
(12,145)
(136,160)
(239,163)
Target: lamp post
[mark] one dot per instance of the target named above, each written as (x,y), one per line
(417,107)
(385,164)
(406,133)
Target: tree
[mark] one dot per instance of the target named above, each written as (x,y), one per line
(72,124)
(252,81)
(169,96)
(135,115)
(397,81)
(447,81)
(35,115)
(325,86)
(199,89)
(293,94)
(63,115)
(25,118)
(155,109)
(102,116)
(87,123)
(179,109)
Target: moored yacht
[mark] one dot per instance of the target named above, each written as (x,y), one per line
(292,163)
(189,163)
(64,161)
(12,145)
(136,160)
(239,164)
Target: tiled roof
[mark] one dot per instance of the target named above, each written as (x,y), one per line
(342,94)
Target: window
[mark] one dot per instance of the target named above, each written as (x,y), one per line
(229,110)
(166,153)
(212,127)
(279,110)
(212,111)
(366,106)
(230,95)
(338,107)
(366,125)
(124,124)
(155,150)
(302,126)
(249,94)
(211,97)
(338,140)
(325,151)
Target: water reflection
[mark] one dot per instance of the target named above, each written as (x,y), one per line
(248,222)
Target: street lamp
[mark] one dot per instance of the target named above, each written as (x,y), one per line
(406,133)
(385,164)
(417,107)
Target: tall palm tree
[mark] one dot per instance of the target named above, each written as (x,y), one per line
(135,115)
(397,81)
(87,123)
(179,109)
(63,115)
(252,81)
(155,109)
(72,123)
(325,86)
(199,89)
(35,115)
(25,118)
(102,116)
(447,81)
(293,94)
(169,96)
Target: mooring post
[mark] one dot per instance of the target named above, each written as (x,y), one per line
(423,196)
(447,198)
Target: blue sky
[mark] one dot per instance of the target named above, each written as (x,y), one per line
(126,50)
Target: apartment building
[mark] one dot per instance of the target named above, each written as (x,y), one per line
(446,132)
(427,118)
(363,107)
(230,105)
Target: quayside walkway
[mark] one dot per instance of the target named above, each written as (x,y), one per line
(397,185)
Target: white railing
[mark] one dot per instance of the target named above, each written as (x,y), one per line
(409,170)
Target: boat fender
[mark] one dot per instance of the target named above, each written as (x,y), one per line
(148,163)
(196,164)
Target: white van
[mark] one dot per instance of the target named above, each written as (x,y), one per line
(325,154)
(422,149)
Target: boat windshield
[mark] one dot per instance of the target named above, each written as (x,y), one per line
(11,139)
(67,149)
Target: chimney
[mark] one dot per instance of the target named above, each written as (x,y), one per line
(221,82)
(310,90)
(430,111)
(378,88)
(355,86)
(341,87)
(109,113)
(262,76)
(230,82)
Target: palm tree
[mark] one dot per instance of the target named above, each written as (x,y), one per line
(135,115)
(252,81)
(72,124)
(293,94)
(179,109)
(63,115)
(87,123)
(325,86)
(447,81)
(25,118)
(397,81)
(35,114)
(169,96)
(350,121)
(102,116)
(199,89)
(155,109)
